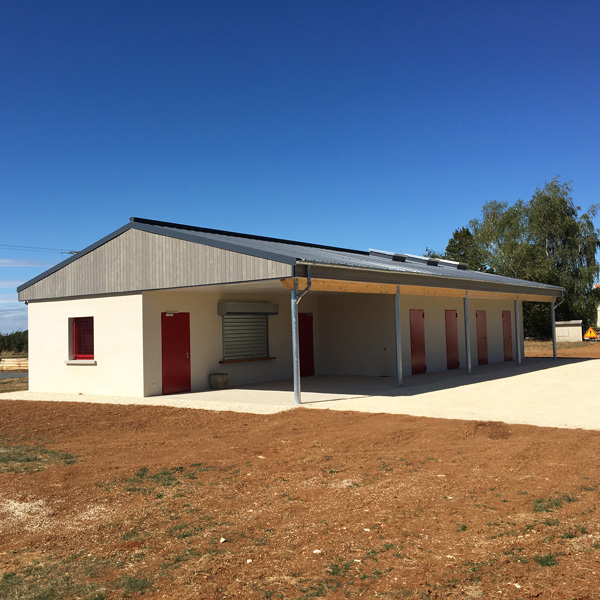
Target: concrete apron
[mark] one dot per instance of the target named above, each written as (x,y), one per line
(541,392)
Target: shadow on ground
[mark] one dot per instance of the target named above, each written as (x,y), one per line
(357,386)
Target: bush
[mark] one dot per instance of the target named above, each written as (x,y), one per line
(14,343)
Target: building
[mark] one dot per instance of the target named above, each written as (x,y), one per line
(156,307)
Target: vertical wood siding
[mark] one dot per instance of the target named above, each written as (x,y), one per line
(137,260)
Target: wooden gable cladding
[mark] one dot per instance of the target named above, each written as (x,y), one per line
(138,260)
(365,287)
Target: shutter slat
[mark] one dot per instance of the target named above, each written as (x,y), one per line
(245,336)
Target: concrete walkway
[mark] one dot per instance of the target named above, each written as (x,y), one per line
(541,392)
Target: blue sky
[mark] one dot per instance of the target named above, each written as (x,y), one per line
(362,124)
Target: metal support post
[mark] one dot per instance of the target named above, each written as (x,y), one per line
(398,339)
(467,334)
(518,331)
(554,353)
(296,345)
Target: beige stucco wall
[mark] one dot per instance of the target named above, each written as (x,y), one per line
(117,346)
(206,338)
(357,332)
(354,334)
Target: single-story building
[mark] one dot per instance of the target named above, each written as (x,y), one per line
(569,331)
(156,307)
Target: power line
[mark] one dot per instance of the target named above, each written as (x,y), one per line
(34,248)
(12,310)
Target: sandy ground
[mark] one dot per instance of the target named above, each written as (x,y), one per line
(540,392)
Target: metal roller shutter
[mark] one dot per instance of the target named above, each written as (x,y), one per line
(245,335)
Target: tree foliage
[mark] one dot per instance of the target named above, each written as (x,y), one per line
(462,247)
(545,239)
(13,343)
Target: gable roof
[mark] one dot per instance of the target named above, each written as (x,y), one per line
(301,253)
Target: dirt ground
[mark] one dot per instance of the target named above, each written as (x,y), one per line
(105,501)
(565,350)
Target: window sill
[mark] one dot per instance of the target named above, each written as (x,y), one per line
(80,362)
(239,360)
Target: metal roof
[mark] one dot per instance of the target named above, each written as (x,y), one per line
(297,253)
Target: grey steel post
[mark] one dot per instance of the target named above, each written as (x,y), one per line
(518,331)
(398,339)
(554,353)
(467,334)
(296,345)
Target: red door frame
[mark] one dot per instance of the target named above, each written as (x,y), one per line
(482,342)
(307,348)
(507,334)
(452,359)
(175,342)
(418,360)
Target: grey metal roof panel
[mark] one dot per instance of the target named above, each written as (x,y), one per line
(293,252)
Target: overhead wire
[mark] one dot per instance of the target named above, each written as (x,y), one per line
(32,248)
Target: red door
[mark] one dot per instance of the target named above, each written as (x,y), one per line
(417,341)
(452,360)
(176,372)
(482,345)
(507,334)
(307,351)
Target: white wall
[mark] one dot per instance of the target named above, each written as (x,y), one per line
(206,348)
(117,346)
(356,333)
(569,333)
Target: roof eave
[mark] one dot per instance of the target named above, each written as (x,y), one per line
(462,283)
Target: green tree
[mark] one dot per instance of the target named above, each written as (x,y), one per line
(14,343)
(462,247)
(545,239)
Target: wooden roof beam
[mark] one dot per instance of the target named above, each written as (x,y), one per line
(363,287)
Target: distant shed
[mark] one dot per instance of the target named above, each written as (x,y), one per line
(569,331)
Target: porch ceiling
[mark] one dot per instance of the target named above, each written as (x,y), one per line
(363,287)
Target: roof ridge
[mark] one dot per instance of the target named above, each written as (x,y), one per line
(155,223)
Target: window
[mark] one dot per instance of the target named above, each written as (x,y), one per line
(245,336)
(83,338)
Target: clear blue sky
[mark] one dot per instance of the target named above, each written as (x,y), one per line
(382,124)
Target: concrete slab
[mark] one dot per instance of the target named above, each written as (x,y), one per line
(541,392)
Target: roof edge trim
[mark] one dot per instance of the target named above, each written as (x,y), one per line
(242,235)
(222,245)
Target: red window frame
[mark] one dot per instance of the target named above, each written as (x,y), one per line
(83,338)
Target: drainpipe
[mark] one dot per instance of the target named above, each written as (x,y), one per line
(398,339)
(467,334)
(518,331)
(553,308)
(296,297)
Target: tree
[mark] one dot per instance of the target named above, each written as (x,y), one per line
(545,240)
(462,247)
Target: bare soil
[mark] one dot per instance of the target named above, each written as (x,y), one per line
(105,501)
(564,350)
(16,384)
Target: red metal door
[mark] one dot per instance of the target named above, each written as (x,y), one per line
(417,341)
(507,334)
(307,351)
(452,360)
(176,372)
(482,345)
